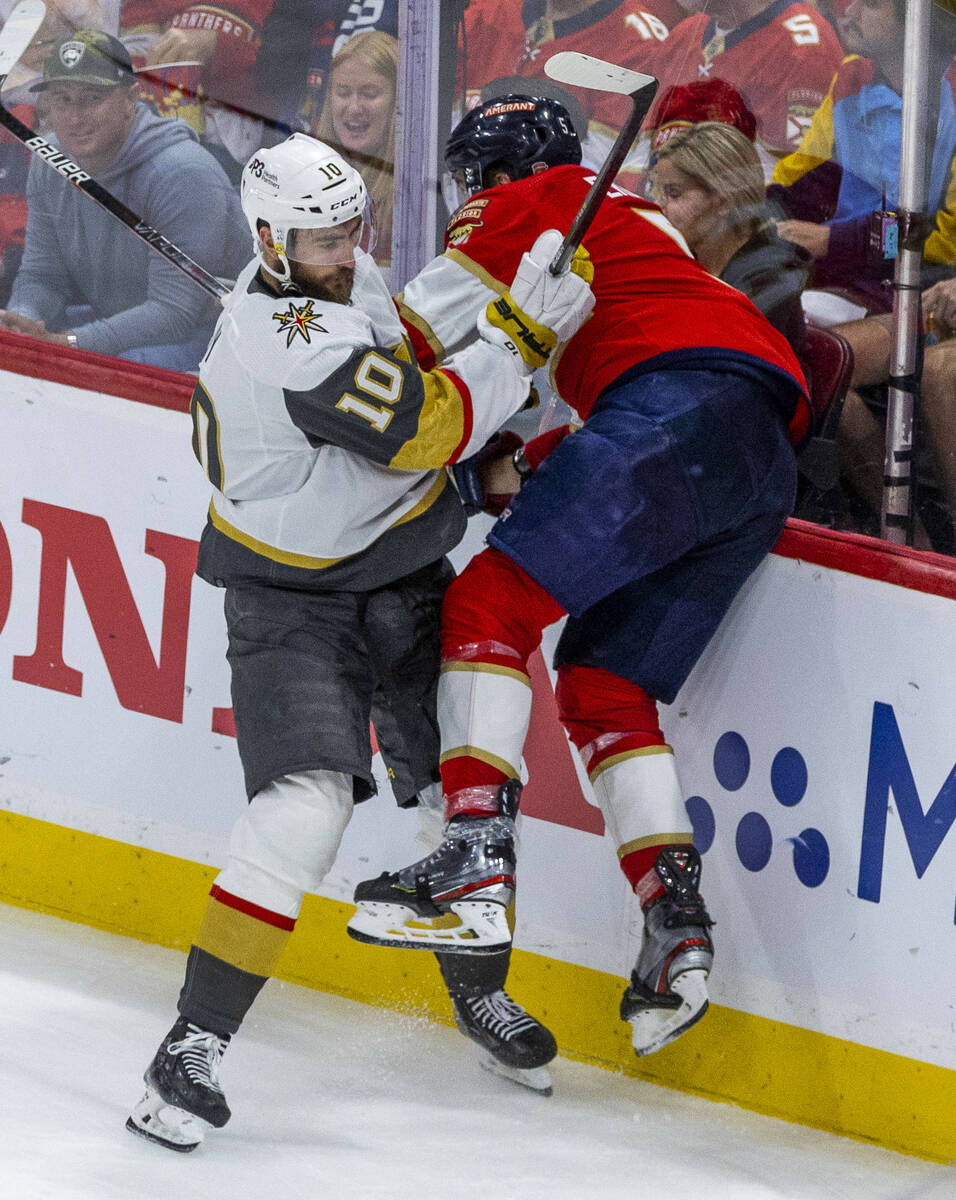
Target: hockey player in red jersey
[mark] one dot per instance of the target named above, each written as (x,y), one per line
(641,525)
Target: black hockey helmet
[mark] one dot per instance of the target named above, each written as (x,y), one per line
(522,133)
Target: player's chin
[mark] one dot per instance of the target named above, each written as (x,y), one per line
(333,285)
(338,286)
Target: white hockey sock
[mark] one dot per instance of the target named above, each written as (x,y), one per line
(286,841)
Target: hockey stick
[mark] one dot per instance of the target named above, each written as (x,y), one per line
(15,36)
(581,70)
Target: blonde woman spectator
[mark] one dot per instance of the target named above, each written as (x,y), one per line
(358,119)
(709,183)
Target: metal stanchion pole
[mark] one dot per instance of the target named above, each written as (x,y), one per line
(902,399)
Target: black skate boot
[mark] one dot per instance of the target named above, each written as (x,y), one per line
(471,877)
(511,1042)
(668,989)
(182,1089)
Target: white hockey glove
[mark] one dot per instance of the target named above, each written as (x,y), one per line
(540,310)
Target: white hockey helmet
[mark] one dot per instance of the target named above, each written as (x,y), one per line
(303,184)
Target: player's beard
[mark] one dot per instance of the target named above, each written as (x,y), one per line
(335,286)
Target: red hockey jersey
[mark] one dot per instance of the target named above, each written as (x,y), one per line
(228,74)
(780,61)
(503,38)
(653,297)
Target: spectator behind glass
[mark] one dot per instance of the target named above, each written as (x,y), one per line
(293,59)
(299,40)
(703,100)
(862,433)
(504,38)
(62,17)
(358,119)
(850,158)
(220,40)
(709,183)
(84,280)
(780,57)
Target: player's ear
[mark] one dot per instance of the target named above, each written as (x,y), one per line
(499,177)
(265,235)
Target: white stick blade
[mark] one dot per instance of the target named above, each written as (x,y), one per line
(582,70)
(19,31)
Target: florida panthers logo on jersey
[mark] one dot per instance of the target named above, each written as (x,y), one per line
(465,221)
(298,321)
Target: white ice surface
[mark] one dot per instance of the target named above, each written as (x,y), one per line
(335,1099)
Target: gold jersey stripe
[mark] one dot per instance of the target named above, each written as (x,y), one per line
(306,561)
(479,272)
(492,760)
(410,317)
(240,939)
(639,752)
(403,351)
(441,425)
(481,668)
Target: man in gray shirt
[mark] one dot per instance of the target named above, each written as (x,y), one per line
(84,280)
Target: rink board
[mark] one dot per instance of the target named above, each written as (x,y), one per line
(815,740)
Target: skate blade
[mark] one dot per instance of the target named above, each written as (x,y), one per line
(165,1124)
(482,927)
(654,1028)
(537,1079)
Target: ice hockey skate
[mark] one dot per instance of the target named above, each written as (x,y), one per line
(668,989)
(183,1095)
(511,1043)
(454,900)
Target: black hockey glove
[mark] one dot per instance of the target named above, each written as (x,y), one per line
(468,475)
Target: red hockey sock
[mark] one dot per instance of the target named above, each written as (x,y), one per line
(607,716)
(492,616)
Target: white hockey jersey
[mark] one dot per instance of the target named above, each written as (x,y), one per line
(325,442)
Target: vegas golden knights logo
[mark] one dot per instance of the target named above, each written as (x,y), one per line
(298,321)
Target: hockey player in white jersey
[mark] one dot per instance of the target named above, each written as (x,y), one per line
(330,517)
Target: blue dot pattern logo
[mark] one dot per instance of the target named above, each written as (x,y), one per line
(753,837)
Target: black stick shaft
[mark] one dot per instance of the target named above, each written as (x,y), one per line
(73,173)
(642,101)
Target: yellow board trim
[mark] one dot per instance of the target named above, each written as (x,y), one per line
(760,1064)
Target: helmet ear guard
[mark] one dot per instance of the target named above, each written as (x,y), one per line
(303,184)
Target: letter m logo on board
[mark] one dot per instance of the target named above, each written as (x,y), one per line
(889,774)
